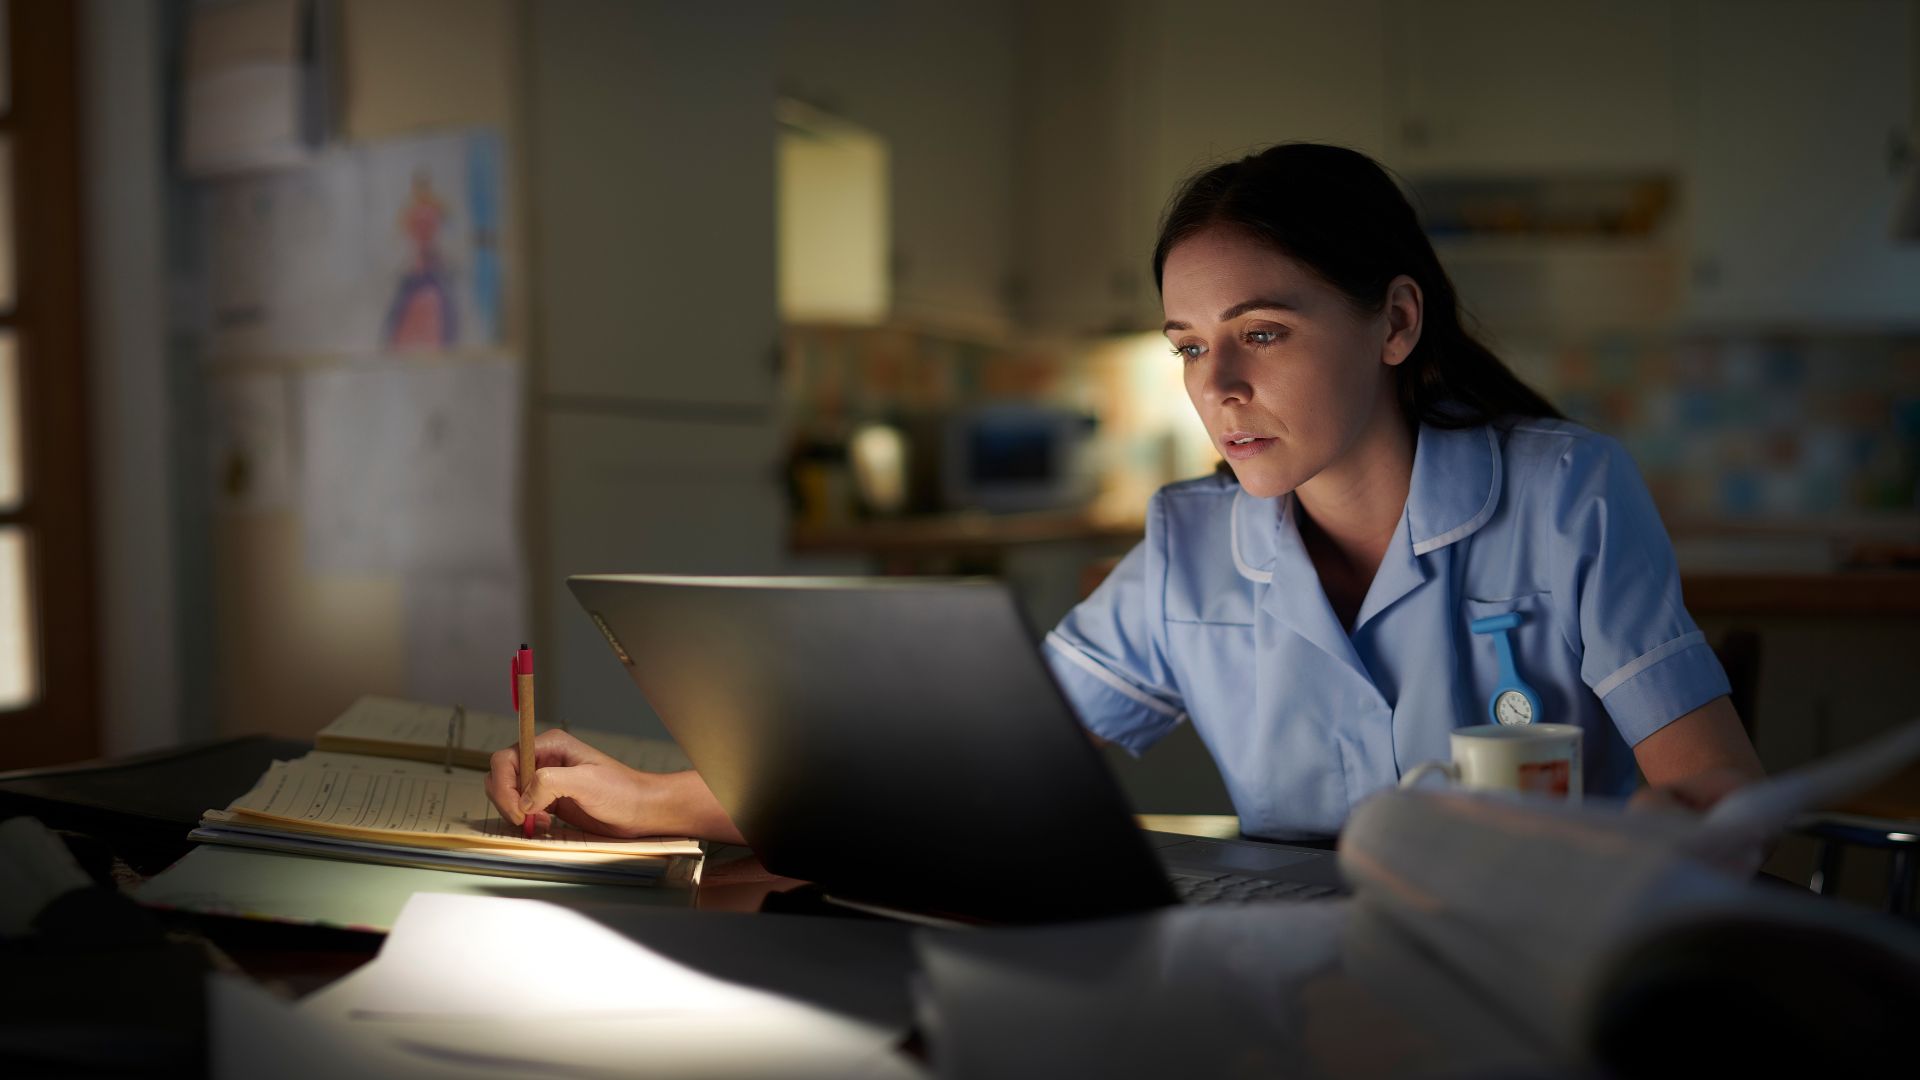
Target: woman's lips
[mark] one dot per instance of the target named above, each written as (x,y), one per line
(1241,451)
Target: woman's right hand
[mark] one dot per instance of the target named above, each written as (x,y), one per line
(593,792)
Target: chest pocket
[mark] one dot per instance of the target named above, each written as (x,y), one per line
(1208,596)
(1541,656)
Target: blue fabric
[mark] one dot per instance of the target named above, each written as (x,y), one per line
(1218,618)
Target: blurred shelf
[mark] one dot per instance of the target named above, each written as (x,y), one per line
(1731,591)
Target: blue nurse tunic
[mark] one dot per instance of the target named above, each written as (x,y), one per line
(1218,618)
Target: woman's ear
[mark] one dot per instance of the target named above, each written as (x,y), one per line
(1404,308)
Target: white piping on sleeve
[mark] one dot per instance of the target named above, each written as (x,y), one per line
(1094,668)
(1646,660)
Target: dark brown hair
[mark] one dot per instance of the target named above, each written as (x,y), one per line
(1339,214)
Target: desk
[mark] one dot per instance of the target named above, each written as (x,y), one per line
(128,820)
(1335,989)
(112,991)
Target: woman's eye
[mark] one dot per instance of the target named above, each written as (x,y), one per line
(1262,337)
(1188,352)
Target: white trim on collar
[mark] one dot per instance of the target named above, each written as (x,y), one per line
(1421,547)
(1263,577)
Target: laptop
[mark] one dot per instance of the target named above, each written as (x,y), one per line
(900,743)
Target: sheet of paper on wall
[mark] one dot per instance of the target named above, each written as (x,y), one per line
(411,467)
(461,475)
(253,86)
(251,441)
(390,246)
(356,433)
(287,269)
(433,215)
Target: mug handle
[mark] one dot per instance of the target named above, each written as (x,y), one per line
(1445,768)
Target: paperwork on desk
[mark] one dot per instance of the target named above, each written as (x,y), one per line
(400,810)
(1484,935)
(481,986)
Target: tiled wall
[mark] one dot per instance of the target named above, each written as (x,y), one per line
(1722,428)
(1750,427)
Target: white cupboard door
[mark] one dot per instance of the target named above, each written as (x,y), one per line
(651,161)
(1520,86)
(1799,111)
(631,494)
(936,81)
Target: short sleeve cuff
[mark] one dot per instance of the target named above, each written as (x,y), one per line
(1662,685)
(1108,705)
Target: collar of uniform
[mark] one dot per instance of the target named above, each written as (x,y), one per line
(1255,533)
(1454,490)
(1455,487)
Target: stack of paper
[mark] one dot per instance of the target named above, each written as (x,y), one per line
(402,811)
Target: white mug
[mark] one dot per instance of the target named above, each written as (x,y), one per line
(1538,759)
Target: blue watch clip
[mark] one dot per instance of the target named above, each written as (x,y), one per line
(1497,626)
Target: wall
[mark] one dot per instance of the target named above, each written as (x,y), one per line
(293,648)
(121,65)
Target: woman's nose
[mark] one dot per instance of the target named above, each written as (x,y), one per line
(1226,378)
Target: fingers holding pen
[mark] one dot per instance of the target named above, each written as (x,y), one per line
(503,783)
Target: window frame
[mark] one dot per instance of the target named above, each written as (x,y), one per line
(42,123)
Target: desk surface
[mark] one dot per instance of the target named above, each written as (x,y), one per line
(295,920)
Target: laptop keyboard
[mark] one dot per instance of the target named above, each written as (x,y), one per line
(1239,889)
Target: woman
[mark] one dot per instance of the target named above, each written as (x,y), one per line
(1390,482)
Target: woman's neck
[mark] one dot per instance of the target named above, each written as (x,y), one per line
(1354,504)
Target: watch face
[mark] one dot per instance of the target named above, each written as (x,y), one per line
(1512,707)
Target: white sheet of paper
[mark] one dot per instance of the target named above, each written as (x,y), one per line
(461,474)
(251,1033)
(355,797)
(287,263)
(586,1001)
(412,467)
(357,435)
(1750,817)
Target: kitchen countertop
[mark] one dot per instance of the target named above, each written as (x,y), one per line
(1743,570)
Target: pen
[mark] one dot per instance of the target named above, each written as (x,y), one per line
(523,704)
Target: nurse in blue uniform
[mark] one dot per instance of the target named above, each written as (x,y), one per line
(1405,540)
(1394,508)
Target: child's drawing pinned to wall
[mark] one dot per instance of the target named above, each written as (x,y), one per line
(423,313)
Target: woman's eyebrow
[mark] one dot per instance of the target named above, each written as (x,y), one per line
(1237,310)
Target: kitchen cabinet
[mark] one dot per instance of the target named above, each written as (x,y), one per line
(1083,249)
(634,495)
(652,205)
(654,434)
(1798,116)
(1517,87)
(1121,102)
(935,80)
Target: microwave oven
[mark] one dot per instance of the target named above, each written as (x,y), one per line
(1014,457)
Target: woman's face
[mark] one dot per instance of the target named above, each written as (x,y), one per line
(1282,370)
